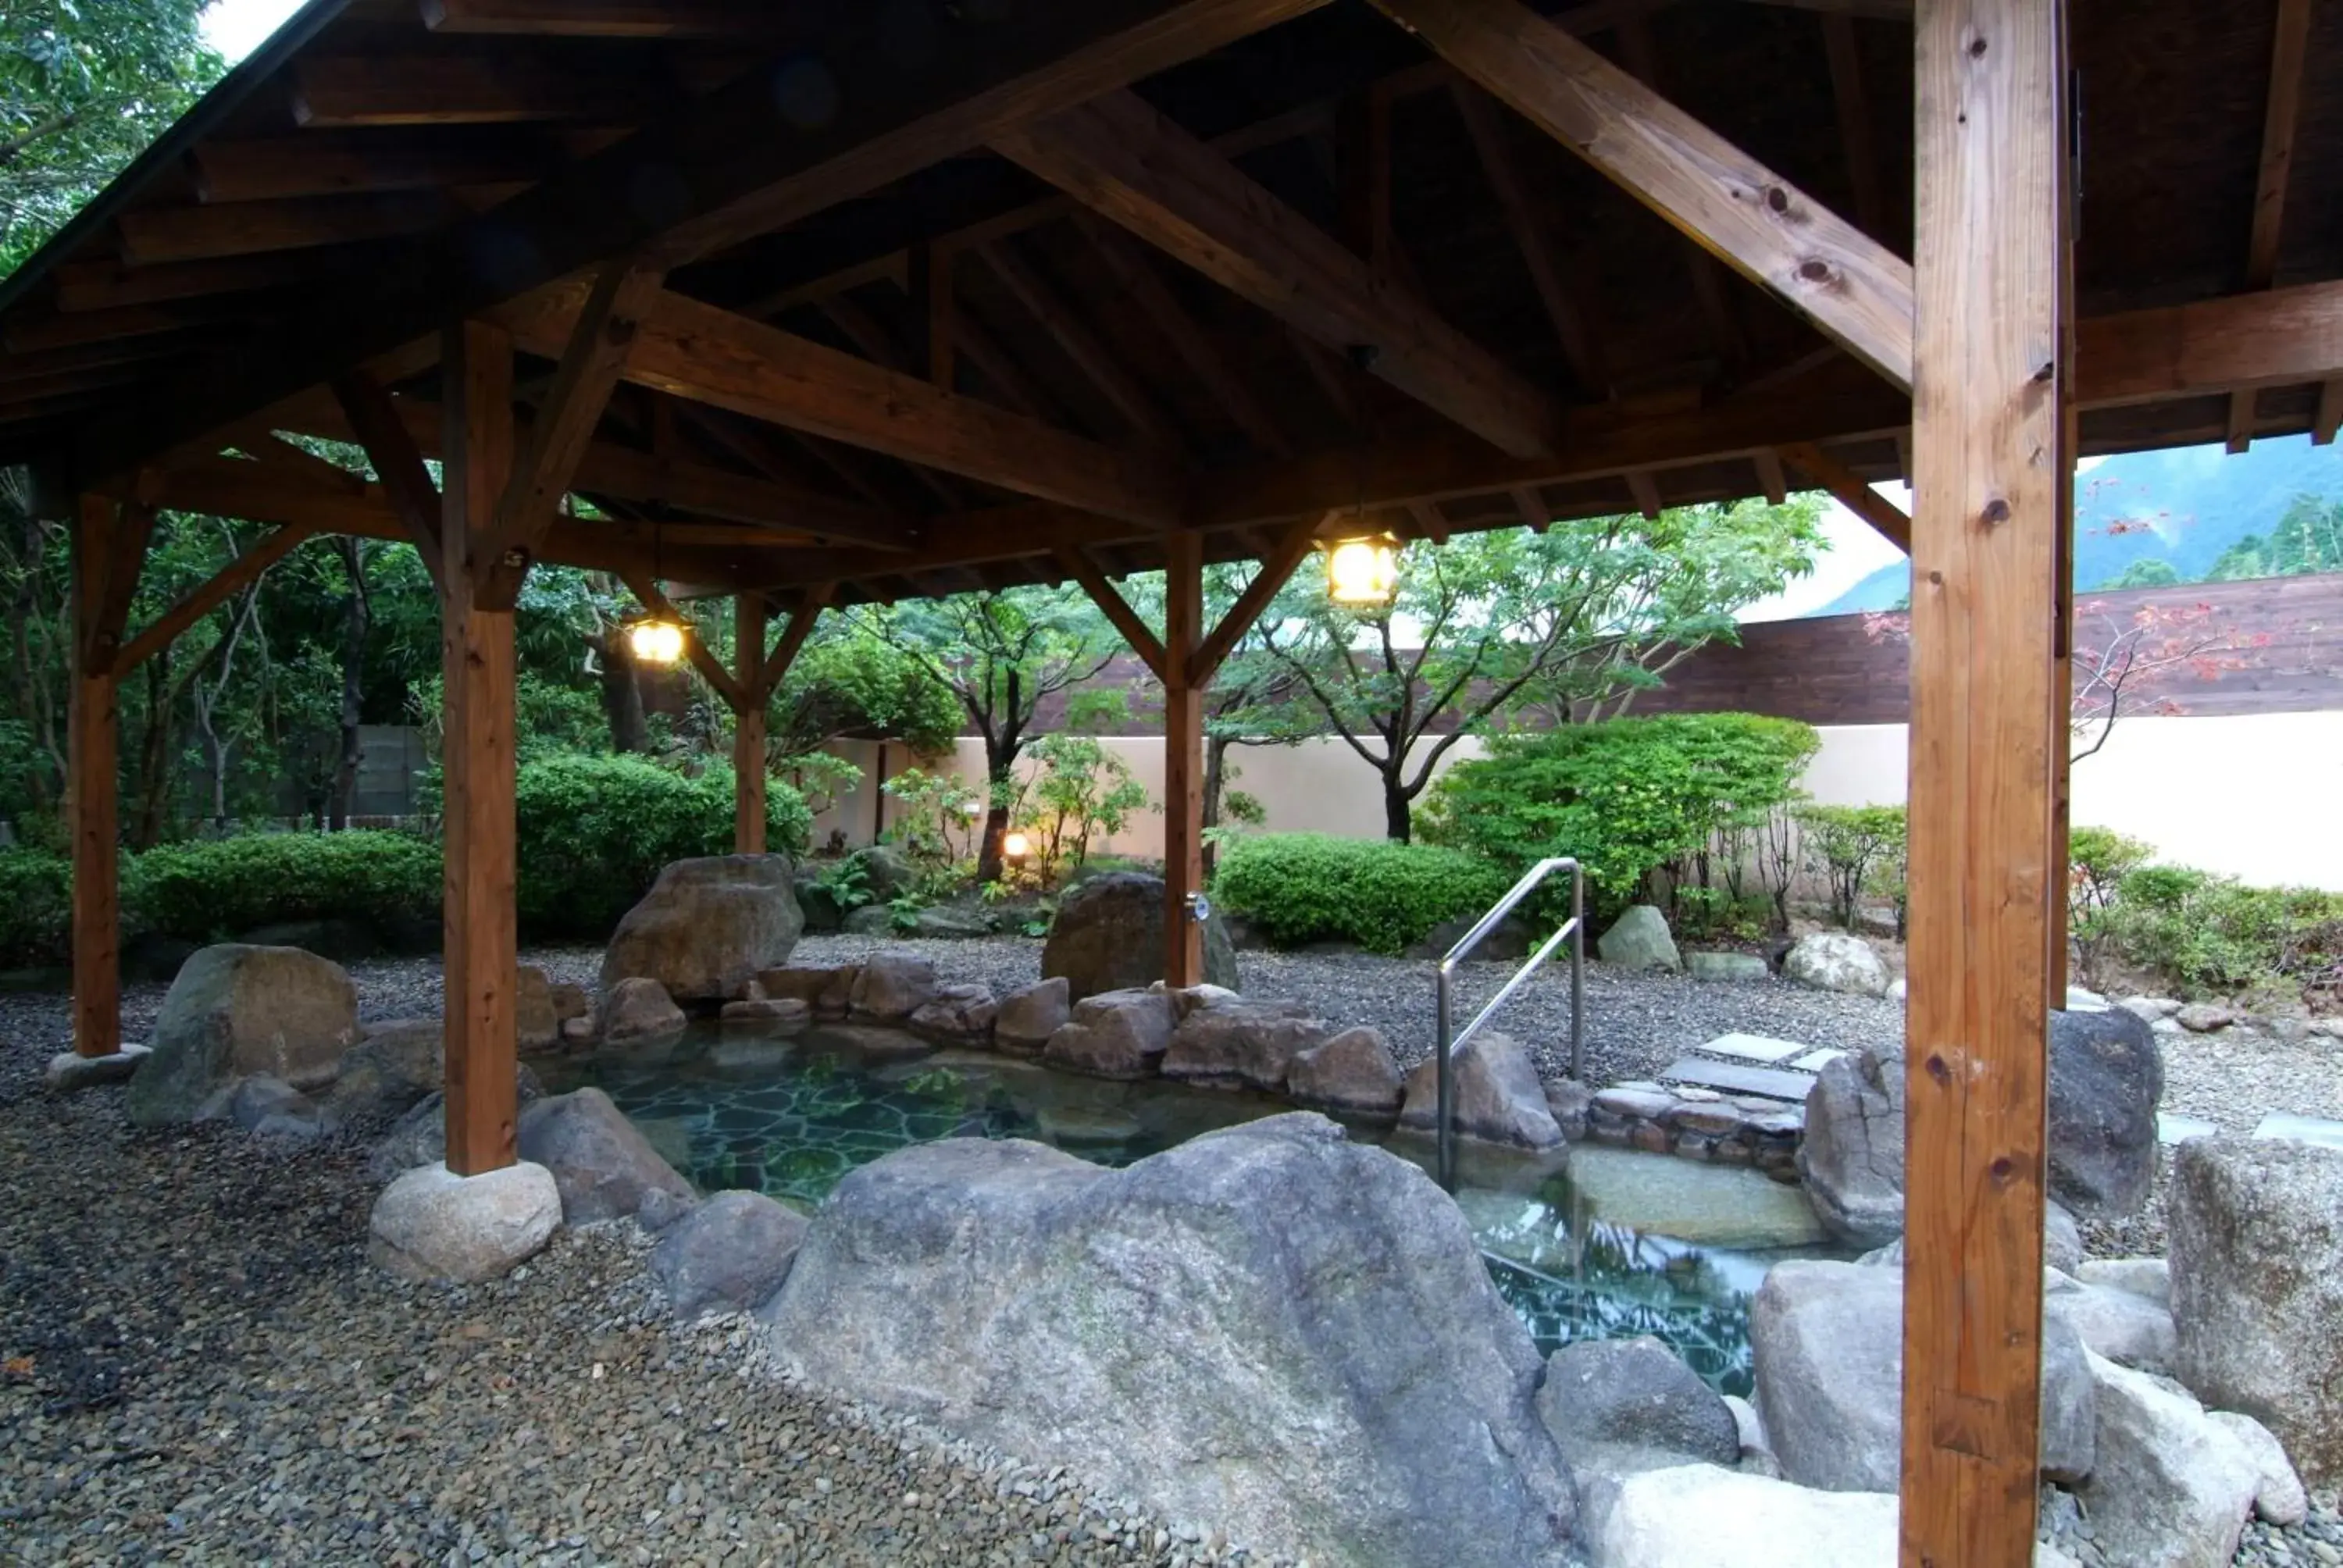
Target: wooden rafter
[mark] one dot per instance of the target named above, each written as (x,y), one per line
(1136,633)
(1139,170)
(1642,58)
(1772,483)
(1852,492)
(2281,110)
(1525,221)
(321,164)
(159,235)
(1854,127)
(740,21)
(1074,336)
(1854,289)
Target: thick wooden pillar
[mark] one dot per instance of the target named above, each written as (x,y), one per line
(92,752)
(748,725)
(1991,460)
(476,644)
(1184,757)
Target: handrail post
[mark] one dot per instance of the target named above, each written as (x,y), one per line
(1577,975)
(1444,1075)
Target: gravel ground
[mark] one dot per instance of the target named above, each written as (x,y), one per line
(197,1365)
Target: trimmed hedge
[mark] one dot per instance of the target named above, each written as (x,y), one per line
(35,909)
(594,832)
(2215,935)
(216,890)
(1298,888)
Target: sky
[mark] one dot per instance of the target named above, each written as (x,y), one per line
(237,27)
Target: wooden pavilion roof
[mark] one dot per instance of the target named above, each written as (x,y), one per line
(1304,267)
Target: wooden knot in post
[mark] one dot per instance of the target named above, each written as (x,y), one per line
(1938,1070)
(1817,270)
(1997,511)
(1777,198)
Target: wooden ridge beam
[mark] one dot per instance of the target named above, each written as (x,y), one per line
(2281,109)
(1853,492)
(696,351)
(1136,633)
(759,160)
(1293,546)
(1138,168)
(1854,289)
(214,591)
(559,436)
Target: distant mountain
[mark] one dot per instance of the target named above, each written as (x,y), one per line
(2184,508)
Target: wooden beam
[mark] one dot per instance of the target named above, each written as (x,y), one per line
(1074,337)
(397,464)
(2278,337)
(1855,127)
(563,430)
(749,724)
(1641,56)
(1525,220)
(158,236)
(2281,109)
(1853,492)
(479,677)
(1154,299)
(1136,633)
(2330,417)
(323,163)
(710,356)
(727,20)
(92,742)
(776,666)
(1772,483)
(1855,290)
(1139,170)
(1183,759)
(765,150)
(942,311)
(652,598)
(216,590)
(1293,546)
(1644,491)
(1991,459)
(112,283)
(449,89)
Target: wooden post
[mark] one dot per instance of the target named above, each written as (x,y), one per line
(92,748)
(1184,757)
(476,642)
(1991,460)
(748,725)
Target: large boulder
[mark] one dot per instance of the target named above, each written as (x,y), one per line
(1702,1516)
(828,990)
(1624,1403)
(420,1137)
(398,1063)
(1109,936)
(707,927)
(1241,1044)
(235,1011)
(538,1025)
(1851,1160)
(2171,1487)
(2255,1228)
(891,987)
(1119,1034)
(639,1010)
(1025,1020)
(434,1225)
(1268,1327)
(2129,1329)
(1639,939)
(601,1163)
(1837,961)
(1351,1074)
(2107,1078)
(729,1254)
(1827,1340)
(956,1015)
(1498,1097)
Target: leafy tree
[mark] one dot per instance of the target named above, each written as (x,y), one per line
(2308,539)
(849,680)
(85,85)
(1001,653)
(2154,571)
(1569,624)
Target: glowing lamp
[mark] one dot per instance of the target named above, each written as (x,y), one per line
(1016,846)
(1363,572)
(655,642)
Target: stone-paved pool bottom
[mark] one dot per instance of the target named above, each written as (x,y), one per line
(1594,1242)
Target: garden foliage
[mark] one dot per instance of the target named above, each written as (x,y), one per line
(1383,896)
(2214,935)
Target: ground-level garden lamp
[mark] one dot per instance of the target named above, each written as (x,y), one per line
(651,637)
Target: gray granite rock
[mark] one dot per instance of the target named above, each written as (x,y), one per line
(2279,1497)
(892,987)
(1107,935)
(2129,1330)
(639,1012)
(1498,1096)
(1118,1034)
(1026,1018)
(2150,1276)
(2107,1081)
(707,927)
(1726,967)
(1600,1397)
(1837,961)
(433,1225)
(768,1014)
(959,1015)
(1639,939)
(1852,1158)
(1350,1074)
(234,1012)
(601,1163)
(727,1254)
(69,1072)
(1241,1043)
(1702,1516)
(2171,1487)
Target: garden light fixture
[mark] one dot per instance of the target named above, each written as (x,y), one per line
(655,640)
(1016,846)
(1363,573)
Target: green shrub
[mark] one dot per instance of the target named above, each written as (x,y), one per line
(1300,888)
(1626,796)
(213,891)
(2097,860)
(2214,935)
(35,909)
(594,832)
(1857,849)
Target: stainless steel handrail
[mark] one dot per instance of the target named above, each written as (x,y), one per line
(1572,931)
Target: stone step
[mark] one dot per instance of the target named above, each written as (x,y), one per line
(1815,1061)
(1758,1048)
(1734,1077)
(2172,1128)
(2301,1129)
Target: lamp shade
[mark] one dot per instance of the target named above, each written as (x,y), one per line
(1363,572)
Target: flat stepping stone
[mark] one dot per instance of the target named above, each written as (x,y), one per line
(2171,1128)
(1757,1048)
(1771,1083)
(2301,1129)
(1815,1061)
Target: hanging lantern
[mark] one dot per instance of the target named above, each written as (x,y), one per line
(655,640)
(1364,573)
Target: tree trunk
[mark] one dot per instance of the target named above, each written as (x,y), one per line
(1398,810)
(1216,751)
(357,618)
(155,754)
(622,696)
